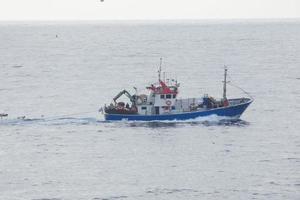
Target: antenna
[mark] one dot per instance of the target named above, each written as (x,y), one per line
(159,71)
(225,82)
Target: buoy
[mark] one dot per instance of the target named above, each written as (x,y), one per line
(168,102)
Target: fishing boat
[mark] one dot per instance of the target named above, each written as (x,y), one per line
(161,102)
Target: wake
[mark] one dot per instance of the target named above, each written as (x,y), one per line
(212,120)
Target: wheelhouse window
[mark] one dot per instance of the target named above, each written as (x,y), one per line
(144,108)
(168,96)
(162,96)
(174,96)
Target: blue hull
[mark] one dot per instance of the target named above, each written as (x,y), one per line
(231,111)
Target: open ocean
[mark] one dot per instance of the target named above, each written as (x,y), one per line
(54,145)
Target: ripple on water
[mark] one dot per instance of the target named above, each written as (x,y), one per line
(111,198)
(48,199)
(158,191)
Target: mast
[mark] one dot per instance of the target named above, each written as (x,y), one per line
(159,70)
(224,83)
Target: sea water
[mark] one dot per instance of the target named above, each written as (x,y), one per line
(54,144)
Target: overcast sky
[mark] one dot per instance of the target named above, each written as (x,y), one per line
(146,9)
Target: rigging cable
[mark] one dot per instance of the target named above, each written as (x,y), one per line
(247,93)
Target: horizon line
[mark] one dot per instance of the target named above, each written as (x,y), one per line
(148,19)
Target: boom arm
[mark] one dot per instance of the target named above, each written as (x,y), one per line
(126,93)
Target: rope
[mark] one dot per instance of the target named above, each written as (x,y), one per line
(67,115)
(234,85)
(247,93)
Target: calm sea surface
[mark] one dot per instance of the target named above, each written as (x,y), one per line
(57,75)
